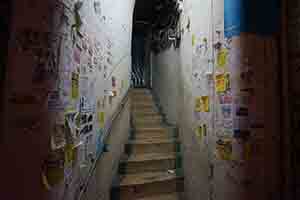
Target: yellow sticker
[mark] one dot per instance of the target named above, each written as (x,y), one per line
(69,154)
(199,132)
(75,85)
(224,150)
(198,104)
(193,40)
(222,57)
(101,118)
(221,83)
(205,103)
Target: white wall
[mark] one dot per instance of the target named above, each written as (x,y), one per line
(165,69)
(82,68)
(198,66)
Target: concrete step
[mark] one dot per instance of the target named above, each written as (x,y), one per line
(156,135)
(144,112)
(171,196)
(147,125)
(150,117)
(150,162)
(152,145)
(143,106)
(144,133)
(138,90)
(153,122)
(141,185)
(147,120)
(142,98)
(140,93)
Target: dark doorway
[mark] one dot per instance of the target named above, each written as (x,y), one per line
(5,13)
(142,20)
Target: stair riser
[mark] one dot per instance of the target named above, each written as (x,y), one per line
(155,188)
(152,136)
(151,133)
(143,95)
(147,124)
(147,114)
(143,108)
(146,99)
(147,166)
(140,91)
(146,117)
(151,148)
(140,101)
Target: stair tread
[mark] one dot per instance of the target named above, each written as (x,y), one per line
(171,196)
(150,156)
(148,177)
(149,136)
(154,128)
(147,116)
(152,141)
(144,112)
(147,125)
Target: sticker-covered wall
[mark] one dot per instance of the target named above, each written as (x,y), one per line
(228,98)
(68,69)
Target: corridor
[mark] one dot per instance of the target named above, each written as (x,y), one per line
(149,100)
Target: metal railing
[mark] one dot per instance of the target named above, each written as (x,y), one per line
(116,115)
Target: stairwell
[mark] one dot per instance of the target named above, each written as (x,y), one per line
(151,166)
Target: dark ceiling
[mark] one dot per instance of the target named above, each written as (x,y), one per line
(143,15)
(144,10)
(156,16)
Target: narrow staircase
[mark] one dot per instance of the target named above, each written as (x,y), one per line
(151,166)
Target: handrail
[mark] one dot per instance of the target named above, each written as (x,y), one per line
(115,116)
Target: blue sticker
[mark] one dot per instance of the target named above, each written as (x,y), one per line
(99,143)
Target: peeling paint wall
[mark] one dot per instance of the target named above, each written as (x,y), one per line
(68,69)
(228,105)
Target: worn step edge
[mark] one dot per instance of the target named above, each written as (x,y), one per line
(171,196)
(145,178)
(152,141)
(149,157)
(144,117)
(160,128)
(144,111)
